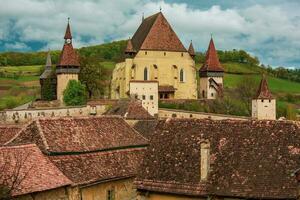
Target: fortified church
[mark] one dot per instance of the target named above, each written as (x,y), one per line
(132,150)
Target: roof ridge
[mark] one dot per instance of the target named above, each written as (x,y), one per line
(19,132)
(18,146)
(42,134)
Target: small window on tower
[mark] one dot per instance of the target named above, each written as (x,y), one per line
(151,97)
(110,195)
(181,54)
(165,53)
(262,100)
(269,100)
(145,52)
(143,97)
(212,94)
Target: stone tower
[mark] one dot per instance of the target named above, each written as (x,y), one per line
(211,74)
(264,104)
(68,66)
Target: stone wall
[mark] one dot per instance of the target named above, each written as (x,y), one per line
(171,113)
(21,116)
(59,193)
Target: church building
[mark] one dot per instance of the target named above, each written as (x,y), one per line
(155,53)
(211,74)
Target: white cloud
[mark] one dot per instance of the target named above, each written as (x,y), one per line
(271,32)
(17,46)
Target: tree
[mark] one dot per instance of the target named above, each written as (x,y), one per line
(94,76)
(13,172)
(291,113)
(246,89)
(75,94)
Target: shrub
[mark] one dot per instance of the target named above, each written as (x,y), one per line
(75,94)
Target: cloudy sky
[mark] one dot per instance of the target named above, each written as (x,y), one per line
(269,29)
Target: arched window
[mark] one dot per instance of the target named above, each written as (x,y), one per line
(181,75)
(146,74)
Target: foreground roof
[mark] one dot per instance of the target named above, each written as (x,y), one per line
(212,63)
(80,134)
(34,171)
(155,33)
(132,109)
(7,132)
(94,167)
(263,91)
(248,159)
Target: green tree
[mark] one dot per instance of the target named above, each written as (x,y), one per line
(246,89)
(75,94)
(48,90)
(94,76)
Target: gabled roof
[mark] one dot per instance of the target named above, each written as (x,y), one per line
(34,171)
(68,56)
(155,33)
(191,49)
(212,63)
(248,159)
(100,166)
(132,109)
(7,132)
(263,91)
(80,134)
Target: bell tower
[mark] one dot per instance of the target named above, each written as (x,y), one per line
(68,66)
(211,74)
(264,104)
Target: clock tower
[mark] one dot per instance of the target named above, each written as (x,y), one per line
(68,66)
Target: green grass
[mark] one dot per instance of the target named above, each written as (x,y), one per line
(276,85)
(241,68)
(22,69)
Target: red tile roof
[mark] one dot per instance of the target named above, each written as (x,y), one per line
(191,50)
(100,166)
(248,159)
(68,56)
(132,109)
(263,91)
(36,172)
(129,47)
(80,134)
(155,33)
(7,132)
(212,63)
(68,34)
(166,88)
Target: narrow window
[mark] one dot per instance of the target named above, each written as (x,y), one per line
(110,195)
(145,52)
(143,97)
(203,93)
(151,97)
(204,161)
(181,75)
(165,53)
(262,100)
(161,96)
(145,74)
(269,100)
(212,94)
(181,54)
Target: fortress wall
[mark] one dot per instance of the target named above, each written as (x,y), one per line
(21,116)
(172,113)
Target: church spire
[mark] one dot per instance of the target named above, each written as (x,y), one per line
(129,48)
(212,62)
(263,91)
(68,35)
(48,61)
(191,49)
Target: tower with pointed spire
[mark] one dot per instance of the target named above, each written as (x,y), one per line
(48,81)
(264,104)
(211,74)
(68,66)
(155,53)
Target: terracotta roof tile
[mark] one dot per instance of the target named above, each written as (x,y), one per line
(263,91)
(37,172)
(99,166)
(68,56)
(68,34)
(248,159)
(191,49)
(212,63)
(132,109)
(7,132)
(129,47)
(166,88)
(155,33)
(80,134)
